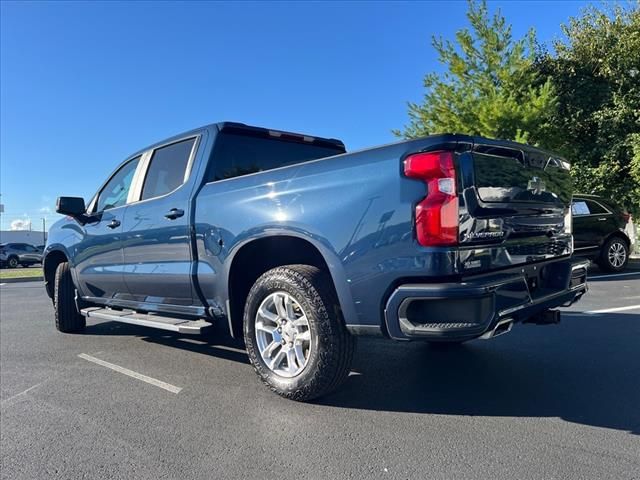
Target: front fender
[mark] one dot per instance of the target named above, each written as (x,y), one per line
(52,256)
(62,239)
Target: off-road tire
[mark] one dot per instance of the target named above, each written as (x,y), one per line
(68,318)
(331,351)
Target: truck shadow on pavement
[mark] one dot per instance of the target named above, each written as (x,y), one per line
(215,344)
(586,370)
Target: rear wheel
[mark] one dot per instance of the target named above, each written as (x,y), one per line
(13,262)
(614,255)
(294,333)
(68,318)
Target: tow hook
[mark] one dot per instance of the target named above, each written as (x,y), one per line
(547,317)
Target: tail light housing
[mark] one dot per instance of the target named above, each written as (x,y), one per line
(436,215)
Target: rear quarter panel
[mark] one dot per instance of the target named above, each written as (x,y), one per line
(357,209)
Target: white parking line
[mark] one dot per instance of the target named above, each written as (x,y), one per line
(131,373)
(1,284)
(617,309)
(613,275)
(24,392)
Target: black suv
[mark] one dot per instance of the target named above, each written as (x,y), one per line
(599,232)
(14,254)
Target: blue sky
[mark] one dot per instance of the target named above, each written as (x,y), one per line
(82,85)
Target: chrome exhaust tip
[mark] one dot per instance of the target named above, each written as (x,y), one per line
(502,327)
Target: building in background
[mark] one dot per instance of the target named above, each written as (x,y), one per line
(23,236)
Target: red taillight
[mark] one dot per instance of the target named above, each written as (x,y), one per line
(437,214)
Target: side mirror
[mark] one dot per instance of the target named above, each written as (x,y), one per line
(72,206)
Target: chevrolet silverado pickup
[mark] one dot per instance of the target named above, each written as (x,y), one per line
(298,247)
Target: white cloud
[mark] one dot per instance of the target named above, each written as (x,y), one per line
(20,224)
(45,210)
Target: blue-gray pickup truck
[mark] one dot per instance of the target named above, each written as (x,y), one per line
(298,247)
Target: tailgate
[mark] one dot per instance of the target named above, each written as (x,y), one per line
(516,198)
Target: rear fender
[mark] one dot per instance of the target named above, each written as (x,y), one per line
(321,244)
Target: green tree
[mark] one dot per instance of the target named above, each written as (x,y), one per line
(488,87)
(595,72)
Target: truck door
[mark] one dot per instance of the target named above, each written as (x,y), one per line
(156,231)
(98,256)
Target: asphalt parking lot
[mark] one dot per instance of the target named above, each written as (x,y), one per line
(540,402)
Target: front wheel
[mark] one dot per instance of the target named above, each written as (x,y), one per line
(68,318)
(614,255)
(294,332)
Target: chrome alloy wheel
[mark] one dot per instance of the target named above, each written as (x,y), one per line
(283,335)
(617,254)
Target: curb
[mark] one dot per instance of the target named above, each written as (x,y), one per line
(21,279)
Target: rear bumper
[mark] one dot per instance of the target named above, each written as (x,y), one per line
(466,310)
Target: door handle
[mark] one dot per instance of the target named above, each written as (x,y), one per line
(174,213)
(113,223)
(602,219)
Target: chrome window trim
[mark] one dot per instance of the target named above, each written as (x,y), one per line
(137,183)
(91,210)
(585,200)
(136,186)
(146,163)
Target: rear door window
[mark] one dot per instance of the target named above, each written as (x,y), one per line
(579,208)
(167,169)
(587,207)
(595,208)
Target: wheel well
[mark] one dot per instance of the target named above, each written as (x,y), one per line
(620,235)
(262,255)
(50,265)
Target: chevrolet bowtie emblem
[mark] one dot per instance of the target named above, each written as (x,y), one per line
(536,185)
